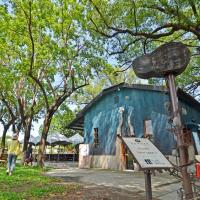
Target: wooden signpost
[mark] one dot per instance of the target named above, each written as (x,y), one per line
(168,61)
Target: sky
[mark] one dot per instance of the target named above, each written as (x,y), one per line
(34,131)
(36,126)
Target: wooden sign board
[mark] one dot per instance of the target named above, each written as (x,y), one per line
(146,153)
(169,58)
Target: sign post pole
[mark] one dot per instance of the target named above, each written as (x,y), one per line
(180,143)
(148,189)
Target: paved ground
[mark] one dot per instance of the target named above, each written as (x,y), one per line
(127,184)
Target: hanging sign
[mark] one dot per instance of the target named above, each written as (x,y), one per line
(170,58)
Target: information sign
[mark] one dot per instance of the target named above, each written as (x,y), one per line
(146,153)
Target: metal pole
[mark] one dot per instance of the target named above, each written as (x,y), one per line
(183,159)
(148,189)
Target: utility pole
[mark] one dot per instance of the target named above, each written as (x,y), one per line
(183,160)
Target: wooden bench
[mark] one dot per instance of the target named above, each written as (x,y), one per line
(3,160)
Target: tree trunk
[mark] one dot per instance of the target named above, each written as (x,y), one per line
(25,146)
(3,140)
(26,139)
(27,134)
(27,131)
(41,153)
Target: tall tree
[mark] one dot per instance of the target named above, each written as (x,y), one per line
(28,105)
(19,90)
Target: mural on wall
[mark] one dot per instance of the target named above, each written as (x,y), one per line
(130,125)
(121,119)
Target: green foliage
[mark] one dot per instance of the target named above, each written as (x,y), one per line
(103,79)
(70,147)
(131,28)
(60,121)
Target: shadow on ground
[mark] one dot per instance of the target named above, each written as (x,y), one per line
(94,192)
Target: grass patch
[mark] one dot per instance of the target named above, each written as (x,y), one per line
(30,183)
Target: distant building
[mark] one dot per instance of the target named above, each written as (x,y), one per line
(130,110)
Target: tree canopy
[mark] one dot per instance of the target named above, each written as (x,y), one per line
(131,28)
(51,50)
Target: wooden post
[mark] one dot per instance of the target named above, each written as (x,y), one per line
(183,159)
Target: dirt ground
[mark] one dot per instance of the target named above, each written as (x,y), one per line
(112,185)
(94,192)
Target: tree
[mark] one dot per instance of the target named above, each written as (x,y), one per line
(18,90)
(28,107)
(8,104)
(130,27)
(60,120)
(54,51)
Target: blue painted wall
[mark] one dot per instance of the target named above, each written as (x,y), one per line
(142,105)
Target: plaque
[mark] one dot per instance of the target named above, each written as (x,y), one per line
(146,153)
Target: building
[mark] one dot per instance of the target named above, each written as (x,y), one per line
(130,110)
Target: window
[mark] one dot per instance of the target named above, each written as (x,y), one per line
(148,129)
(96,137)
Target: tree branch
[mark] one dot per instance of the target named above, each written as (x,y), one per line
(51,87)
(135,15)
(125,47)
(42,89)
(31,36)
(194,9)
(174,27)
